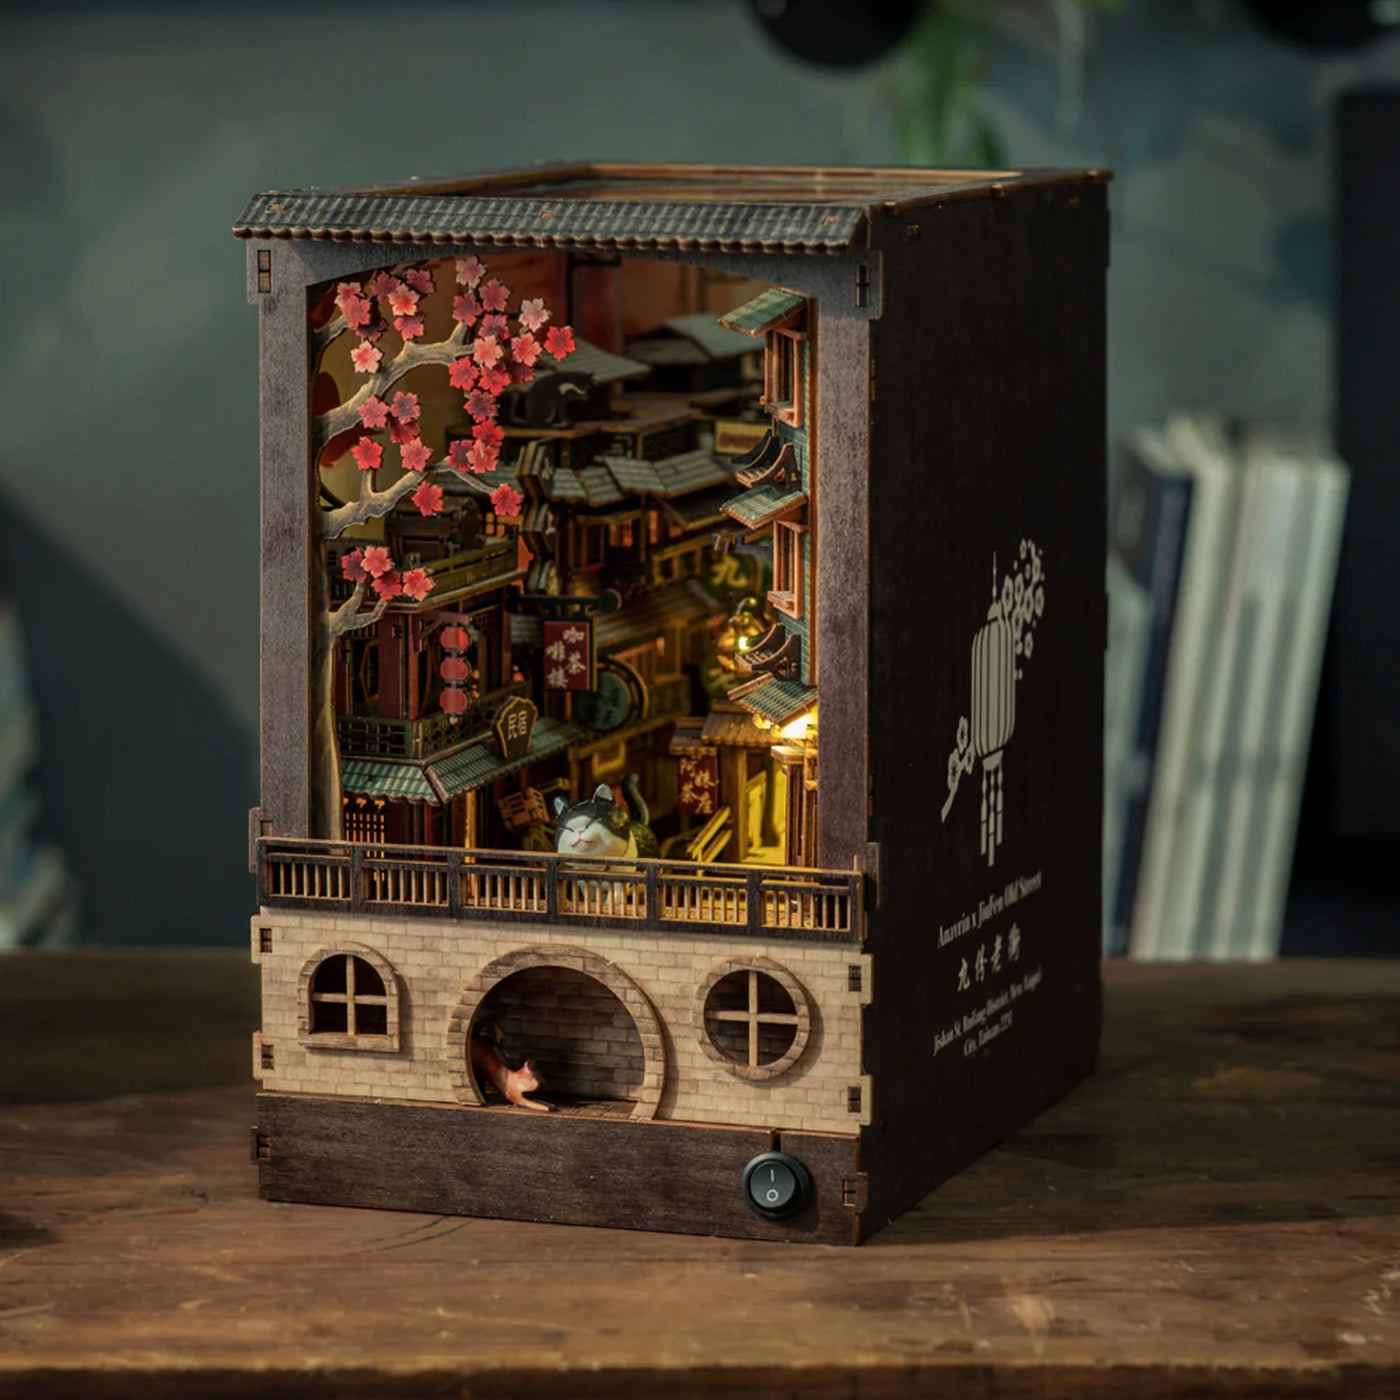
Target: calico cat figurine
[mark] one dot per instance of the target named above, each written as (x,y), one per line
(490,1068)
(600,826)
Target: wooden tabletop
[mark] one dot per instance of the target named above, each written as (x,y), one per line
(1217,1213)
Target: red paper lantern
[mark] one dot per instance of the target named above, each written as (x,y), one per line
(455,639)
(454,702)
(454,669)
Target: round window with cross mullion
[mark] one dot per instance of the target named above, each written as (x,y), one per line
(755,1018)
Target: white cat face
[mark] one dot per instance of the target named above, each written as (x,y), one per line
(584,835)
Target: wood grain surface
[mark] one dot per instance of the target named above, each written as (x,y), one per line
(1213,1214)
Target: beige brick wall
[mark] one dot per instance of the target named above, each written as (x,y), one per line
(549,1014)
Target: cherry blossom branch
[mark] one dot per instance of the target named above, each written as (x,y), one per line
(411,357)
(348,617)
(373,504)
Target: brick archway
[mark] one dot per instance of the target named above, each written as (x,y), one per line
(631,996)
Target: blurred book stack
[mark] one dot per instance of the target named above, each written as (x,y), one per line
(1222,559)
(38,906)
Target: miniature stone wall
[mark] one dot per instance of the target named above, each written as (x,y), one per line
(442,966)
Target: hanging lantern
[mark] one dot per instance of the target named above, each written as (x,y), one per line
(454,669)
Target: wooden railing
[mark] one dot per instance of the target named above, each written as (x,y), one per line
(766,902)
(366,736)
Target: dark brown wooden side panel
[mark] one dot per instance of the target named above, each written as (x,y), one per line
(511,1164)
(987,438)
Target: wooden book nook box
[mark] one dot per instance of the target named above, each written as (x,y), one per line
(769,502)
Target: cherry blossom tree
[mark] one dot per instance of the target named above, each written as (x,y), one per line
(487,352)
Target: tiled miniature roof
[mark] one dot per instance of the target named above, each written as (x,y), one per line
(779,701)
(684,601)
(763,312)
(477,765)
(606,205)
(603,365)
(375,779)
(692,340)
(736,728)
(669,476)
(703,508)
(764,503)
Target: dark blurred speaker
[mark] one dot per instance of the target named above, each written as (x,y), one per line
(1363,687)
(837,33)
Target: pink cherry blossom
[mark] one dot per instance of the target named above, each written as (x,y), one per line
(390,586)
(366,358)
(533,313)
(352,566)
(406,407)
(420,279)
(459,454)
(494,381)
(494,295)
(344,291)
(367,454)
(462,375)
(470,270)
(465,308)
(559,341)
(417,583)
(383,285)
(410,327)
(525,349)
(403,432)
(488,432)
(403,301)
(482,457)
(356,311)
(506,500)
(377,561)
(428,498)
(486,350)
(498,326)
(481,405)
(521,374)
(415,455)
(374,412)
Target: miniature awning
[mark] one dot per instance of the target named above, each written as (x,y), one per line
(668,476)
(757,507)
(682,603)
(703,508)
(587,358)
(440,781)
(777,701)
(765,312)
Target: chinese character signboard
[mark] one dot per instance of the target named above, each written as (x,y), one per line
(568,655)
(515,727)
(699,784)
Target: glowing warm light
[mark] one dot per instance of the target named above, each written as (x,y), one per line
(800,727)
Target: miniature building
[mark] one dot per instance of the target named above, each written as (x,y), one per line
(758,517)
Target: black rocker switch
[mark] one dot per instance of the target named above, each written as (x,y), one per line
(776,1186)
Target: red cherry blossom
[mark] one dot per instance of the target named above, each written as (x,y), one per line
(403,432)
(420,279)
(488,432)
(533,313)
(417,583)
(390,586)
(465,308)
(481,405)
(383,285)
(494,295)
(415,455)
(374,412)
(506,500)
(494,381)
(352,566)
(428,498)
(344,291)
(459,454)
(498,326)
(525,349)
(482,457)
(521,374)
(486,351)
(377,561)
(462,375)
(406,407)
(470,270)
(410,327)
(403,301)
(356,311)
(559,341)
(367,454)
(366,358)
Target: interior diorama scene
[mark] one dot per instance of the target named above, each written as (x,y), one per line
(567,560)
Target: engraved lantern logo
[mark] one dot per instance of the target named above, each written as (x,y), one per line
(998,649)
